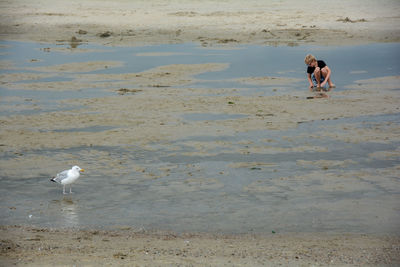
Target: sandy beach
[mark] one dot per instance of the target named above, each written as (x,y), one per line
(125,247)
(286,22)
(145,110)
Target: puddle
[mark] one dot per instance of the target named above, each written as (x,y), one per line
(232,191)
(46,74)
(348,63)
(301,179)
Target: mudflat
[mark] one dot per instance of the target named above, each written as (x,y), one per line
(146,112)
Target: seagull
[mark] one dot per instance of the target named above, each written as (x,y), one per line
(68,177)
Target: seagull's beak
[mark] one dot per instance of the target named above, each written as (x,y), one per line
(81,170)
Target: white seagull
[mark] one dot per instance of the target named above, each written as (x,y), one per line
(68,177)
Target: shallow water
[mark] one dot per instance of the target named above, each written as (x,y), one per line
(294,180)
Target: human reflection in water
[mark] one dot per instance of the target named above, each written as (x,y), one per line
(74,42)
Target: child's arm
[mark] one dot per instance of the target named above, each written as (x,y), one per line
(311,86)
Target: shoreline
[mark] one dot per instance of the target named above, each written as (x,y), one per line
(35,246)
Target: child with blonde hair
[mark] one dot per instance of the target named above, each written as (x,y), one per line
(318,73)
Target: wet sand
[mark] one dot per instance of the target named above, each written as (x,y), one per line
(127,247)
(153,114)
(149,110)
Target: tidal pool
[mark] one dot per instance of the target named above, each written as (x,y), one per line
(308,178)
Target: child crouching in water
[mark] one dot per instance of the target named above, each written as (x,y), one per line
(318,73)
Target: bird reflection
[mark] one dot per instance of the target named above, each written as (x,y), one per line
(69,212)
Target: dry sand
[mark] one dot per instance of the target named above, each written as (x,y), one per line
(209,22)
(147,108)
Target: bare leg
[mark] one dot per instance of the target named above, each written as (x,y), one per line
(317,74)
(64,189)
(325,73)
(331,84)
(70,189)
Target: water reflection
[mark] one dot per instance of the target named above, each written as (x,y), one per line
(69,211)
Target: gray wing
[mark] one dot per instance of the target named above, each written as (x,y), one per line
(60,176)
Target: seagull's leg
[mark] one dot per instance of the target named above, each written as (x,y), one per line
(70,189)
(64,189)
